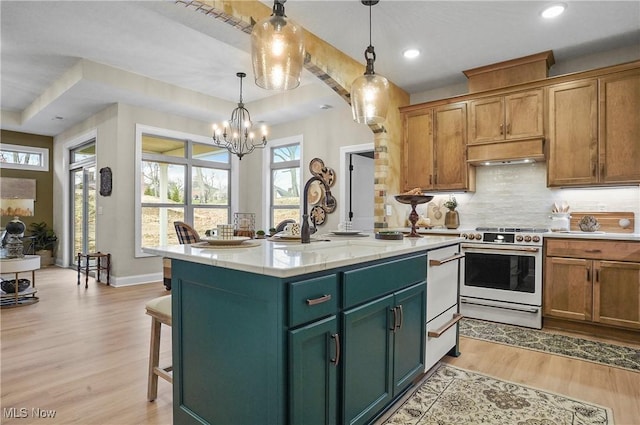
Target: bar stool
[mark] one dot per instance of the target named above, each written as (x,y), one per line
(98,266)
(160,311)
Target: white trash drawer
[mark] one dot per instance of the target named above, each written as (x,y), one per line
(444,330)
(443,267)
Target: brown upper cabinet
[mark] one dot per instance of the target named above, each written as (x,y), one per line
(434,149)
(594,131)
(511,117)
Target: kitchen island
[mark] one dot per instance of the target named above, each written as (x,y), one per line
(288,333)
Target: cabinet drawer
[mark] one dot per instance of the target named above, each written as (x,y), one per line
(438,346)
(442,279)
(371,282)
(594,249)
(312,299)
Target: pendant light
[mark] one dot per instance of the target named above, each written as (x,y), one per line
(236,135)
(277,51)
(370,92)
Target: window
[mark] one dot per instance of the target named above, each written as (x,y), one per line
(24,157)
(181,180)
(285,183)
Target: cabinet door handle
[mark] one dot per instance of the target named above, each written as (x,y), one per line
(509,128)
(446,260)
(593,168)
(401,317)
(336,359)
(501,129)
(591,251)
(395,319)
(320,300)
(588,273)
(430,179)
(438,333)
(597,275)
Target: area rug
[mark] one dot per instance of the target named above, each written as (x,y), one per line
(454,396)
(533,339)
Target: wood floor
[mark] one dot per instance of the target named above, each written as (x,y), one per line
(83,354)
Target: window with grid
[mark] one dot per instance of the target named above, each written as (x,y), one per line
(285,183)
(24,157)
(181,180)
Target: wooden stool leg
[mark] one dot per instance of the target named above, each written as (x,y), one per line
(108,267)
(86,276)
(154,359)
(79,259)
(98,267)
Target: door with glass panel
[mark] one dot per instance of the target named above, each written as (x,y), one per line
(83,199)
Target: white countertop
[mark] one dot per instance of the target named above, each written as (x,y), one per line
(594,235)
(284,259)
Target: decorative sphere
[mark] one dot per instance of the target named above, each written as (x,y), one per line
(15,227)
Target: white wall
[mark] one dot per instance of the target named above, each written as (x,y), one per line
(562,66)
(323,134)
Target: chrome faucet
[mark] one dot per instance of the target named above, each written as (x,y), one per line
(329,201)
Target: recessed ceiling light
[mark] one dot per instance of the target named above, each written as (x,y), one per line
(411,53)
(553,10)
(325,106)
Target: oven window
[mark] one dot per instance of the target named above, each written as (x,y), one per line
(499,271)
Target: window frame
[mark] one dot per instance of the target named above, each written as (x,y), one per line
(271,166)
(43,152)
(188,161)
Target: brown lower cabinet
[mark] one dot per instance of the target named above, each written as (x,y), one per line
(593,281)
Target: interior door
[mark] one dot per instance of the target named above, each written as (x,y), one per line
(360,193)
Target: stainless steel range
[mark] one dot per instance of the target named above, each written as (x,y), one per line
(502,275)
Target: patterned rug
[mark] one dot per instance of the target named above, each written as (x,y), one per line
(598,352)
(456,396)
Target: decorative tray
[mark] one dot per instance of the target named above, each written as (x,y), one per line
(346,232)
(409,199)
(243,244)
(390,235)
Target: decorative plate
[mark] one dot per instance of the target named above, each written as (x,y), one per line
(235,240)
(315,166)
(328,175)
(286,236)
(318,214)
(346,232)
(315,192)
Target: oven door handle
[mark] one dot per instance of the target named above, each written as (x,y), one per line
(511,307)
(499,248)
(446,260)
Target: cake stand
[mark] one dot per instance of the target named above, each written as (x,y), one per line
(413,200)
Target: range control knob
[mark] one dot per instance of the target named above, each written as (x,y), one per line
(464,235)
(478,236)
(470,236)
(536,239)
(527,238)
(519,238)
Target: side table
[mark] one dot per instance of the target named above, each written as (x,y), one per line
(30,263)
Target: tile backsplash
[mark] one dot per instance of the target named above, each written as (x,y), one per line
(517,195)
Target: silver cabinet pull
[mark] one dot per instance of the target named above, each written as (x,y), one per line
(446,260)
(437,333)
(322,299)
(336,359)
(401,317)
(395,319)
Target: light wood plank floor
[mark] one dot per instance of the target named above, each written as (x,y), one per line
(83,353)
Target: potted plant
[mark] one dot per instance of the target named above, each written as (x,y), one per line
(451,218)
(260,234)
(44,242)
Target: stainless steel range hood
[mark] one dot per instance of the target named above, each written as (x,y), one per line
(506,152)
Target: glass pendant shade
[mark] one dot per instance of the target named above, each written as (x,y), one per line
(277,51)
(370,92)
(369,99)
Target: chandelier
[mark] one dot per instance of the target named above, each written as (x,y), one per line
(236,135)
(369,92)
(277,51)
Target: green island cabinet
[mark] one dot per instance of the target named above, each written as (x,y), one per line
(330,347)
